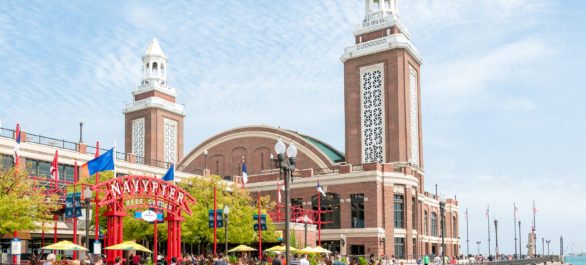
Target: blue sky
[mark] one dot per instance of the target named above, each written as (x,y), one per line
(502,85)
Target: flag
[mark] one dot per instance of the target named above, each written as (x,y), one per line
(244,173)
(466,213)
(16,155)
(487,212)
(320,190)
(170,175)
(99,164)
(55,166)
(515,210)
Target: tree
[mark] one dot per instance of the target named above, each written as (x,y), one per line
(24,204)
(242,207)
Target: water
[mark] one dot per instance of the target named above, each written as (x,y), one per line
(576,260)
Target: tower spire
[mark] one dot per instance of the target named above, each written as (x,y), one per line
(154,65)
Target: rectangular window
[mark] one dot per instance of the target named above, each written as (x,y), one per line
(6,162)
(414,115)
(433,224)
(66,173)
(357,201)
(297,202)
(400,248)
(413,213)
(357,250)
(399,211)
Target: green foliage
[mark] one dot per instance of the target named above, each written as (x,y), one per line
(362,261)
(24,205)
(293,240)
(232,259)
(242,207)
(344,260)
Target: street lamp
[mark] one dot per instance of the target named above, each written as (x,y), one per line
(547,241)
(87,196)
(478,244)
(306,220)
(226,212)
(205,159)
(286,168)
(81,130)
(442,213)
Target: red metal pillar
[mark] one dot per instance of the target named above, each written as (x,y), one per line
(75,253)
(259,229)
(14,257)
(55,231)
(174,236)
(156,242)
(96,211)
(215,220)
(319,219)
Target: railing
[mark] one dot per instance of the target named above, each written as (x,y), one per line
(8,133)
(92,150)
(39,139)
(297,214)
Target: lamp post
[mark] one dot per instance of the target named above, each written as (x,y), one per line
(442,213)
(226,213)
(520,249)
(478,244)
(286,168)
(542,246)
(81,130)
(205,159)
(548,241)
(305,221)
(87,196)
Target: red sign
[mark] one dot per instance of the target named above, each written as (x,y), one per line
(143,191)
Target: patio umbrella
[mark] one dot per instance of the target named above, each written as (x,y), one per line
(129,245)
(242,248)
(319,249)
(280,249)
(64,245)
(307,250)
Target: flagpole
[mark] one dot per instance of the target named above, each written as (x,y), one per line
(534,224)
(467,241)
(515,226)
(488,222)
(318,216)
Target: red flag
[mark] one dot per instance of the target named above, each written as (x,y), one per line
(16,154)
(55,166)
(534,209)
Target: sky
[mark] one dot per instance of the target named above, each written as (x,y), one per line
(502,87)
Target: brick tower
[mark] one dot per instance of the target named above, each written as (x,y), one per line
(381,89)
(154,121)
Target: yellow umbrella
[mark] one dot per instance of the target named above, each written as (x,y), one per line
(319,249)
(242,248)
(307,249)
(64,245)
(280,249)
(129,245)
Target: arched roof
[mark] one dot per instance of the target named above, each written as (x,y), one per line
(313,152)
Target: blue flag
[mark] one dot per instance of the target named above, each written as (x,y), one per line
(170,175)
(99,164)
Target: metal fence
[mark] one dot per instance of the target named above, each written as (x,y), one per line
(7,133)
(39,139)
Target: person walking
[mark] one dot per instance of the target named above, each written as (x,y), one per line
(338,260)
(426,260)
(277,260)
(303,260)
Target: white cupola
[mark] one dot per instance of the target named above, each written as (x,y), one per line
(377,9)
(154,65)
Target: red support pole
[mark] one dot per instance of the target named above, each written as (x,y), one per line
(319,219)
(75,253)
(43,235)
(259,230)
(96,212)
(55,231)
(14,257)
(215,220)
(156,242)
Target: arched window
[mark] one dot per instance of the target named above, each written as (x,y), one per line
(426,223)
(155,69)
(454,227)
(331,204)
(433,224)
